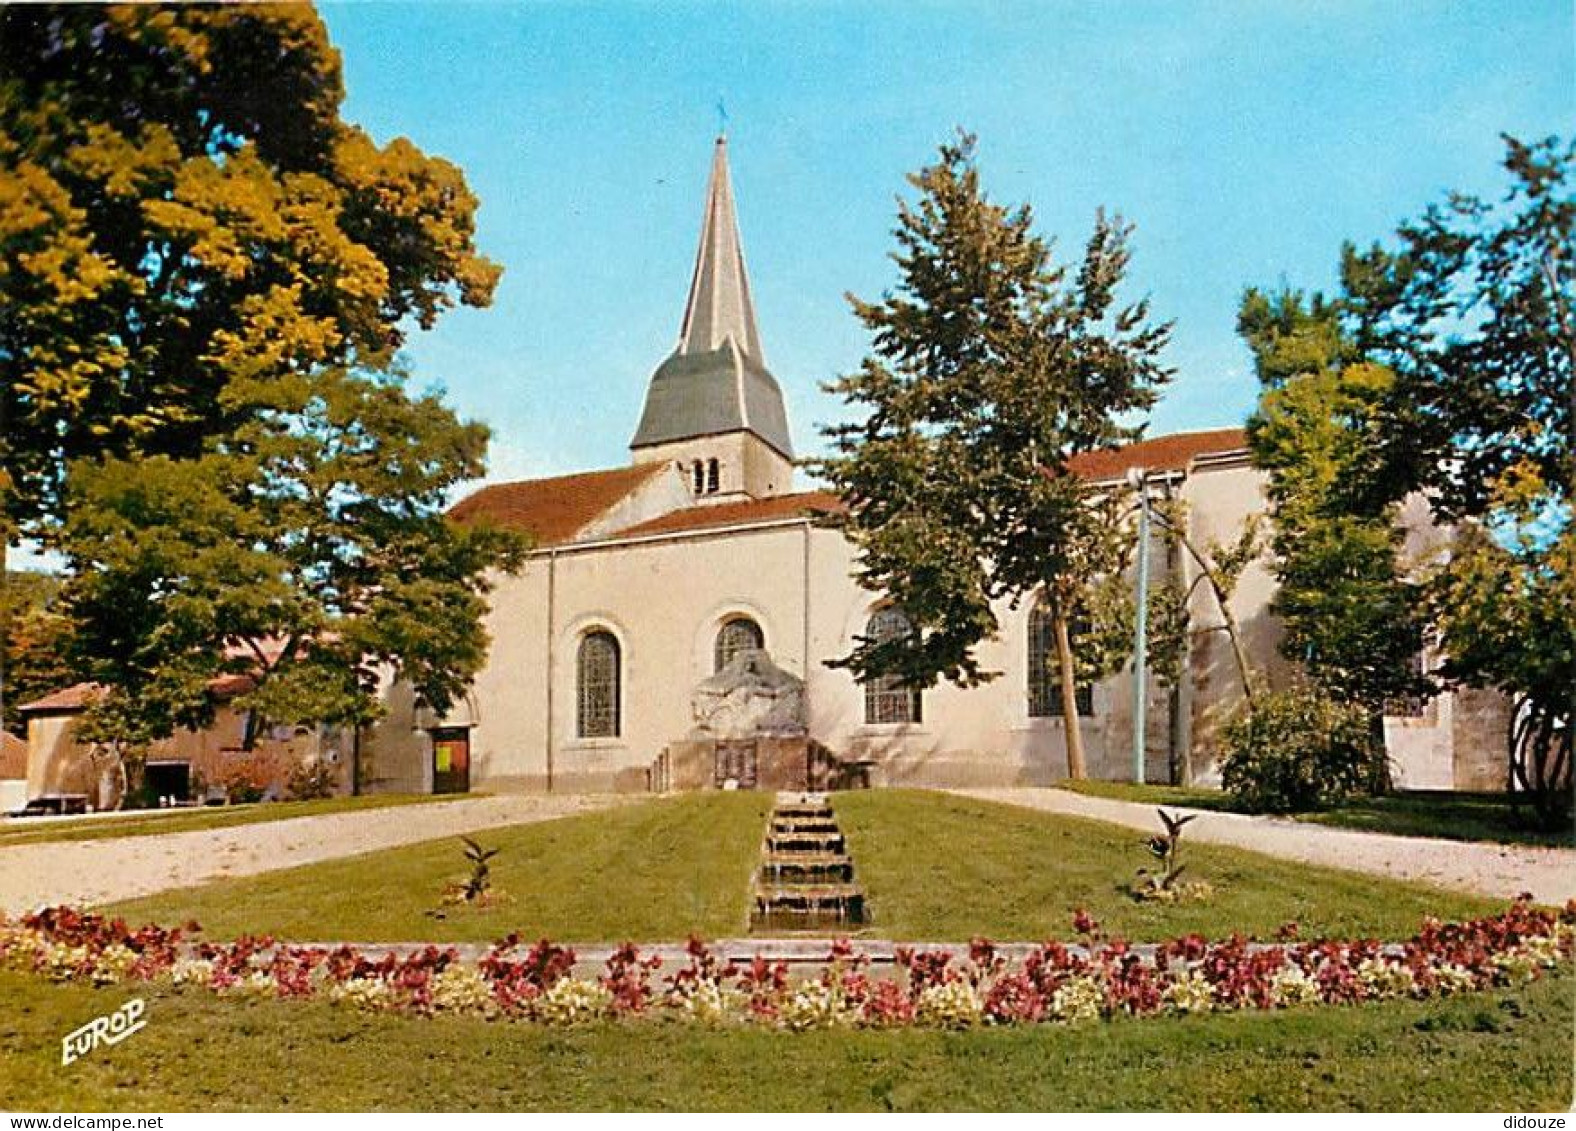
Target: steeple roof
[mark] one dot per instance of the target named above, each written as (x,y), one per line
(716,380)
(719,305)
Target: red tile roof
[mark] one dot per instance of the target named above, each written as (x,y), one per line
(78,695)
(13,756)
(747,513)
(72,698)
(1159,453)
(553,510)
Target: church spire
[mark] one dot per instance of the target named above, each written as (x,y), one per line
(714,392)
(719,304)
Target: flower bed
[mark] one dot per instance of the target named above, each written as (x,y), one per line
(939,989)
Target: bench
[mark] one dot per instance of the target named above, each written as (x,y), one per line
(54,805)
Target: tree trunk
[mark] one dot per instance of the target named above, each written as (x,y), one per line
(1226,615)
(251,726)
(1223,599)
(1076,768)
(1379,780)
(124,774)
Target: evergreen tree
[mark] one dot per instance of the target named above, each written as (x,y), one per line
(990,367)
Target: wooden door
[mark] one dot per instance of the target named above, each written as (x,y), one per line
(451,760)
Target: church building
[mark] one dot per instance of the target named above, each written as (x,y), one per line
(672,624)
(611,650)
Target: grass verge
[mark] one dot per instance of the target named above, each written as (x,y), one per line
(153,822)
(1506,1051)
(1444,814)
(935,867)
(938,866)
(657,870)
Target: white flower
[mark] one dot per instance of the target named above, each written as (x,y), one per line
(1385,979)
(1078,999)
(459,988)
(816,1005)
(367,993)
(257,983)
(1515,967)
(191,972)
(1291,986)
(1544,950)
(1190,993)
(114,964)
(1453,979)
(572,1001)
(948,1005)
(709,1003)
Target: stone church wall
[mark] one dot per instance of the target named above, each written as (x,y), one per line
(664,598)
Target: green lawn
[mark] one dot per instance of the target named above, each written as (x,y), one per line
(650,871)
(1505,1051)
(152,822)
(934,866)
(1453,816)
(937,866)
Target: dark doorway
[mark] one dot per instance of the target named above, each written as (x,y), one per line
(451,760)
(735,762)
(167,779)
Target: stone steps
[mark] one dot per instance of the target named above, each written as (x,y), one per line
(806,879)
(806,869)
(804,844)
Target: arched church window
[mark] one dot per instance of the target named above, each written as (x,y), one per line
(596,683)
(698,473)
(713,477)
(741,634)
(887,700)
(1045,682)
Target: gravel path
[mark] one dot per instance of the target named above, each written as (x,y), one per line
(1500,870)
(101,871)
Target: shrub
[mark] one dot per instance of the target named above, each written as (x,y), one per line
(1294,750)
(478,858)
(246,777)
(311,780)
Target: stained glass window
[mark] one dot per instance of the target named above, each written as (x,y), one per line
(887,700)
(597,673)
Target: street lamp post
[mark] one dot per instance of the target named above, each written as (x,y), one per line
(1138,479)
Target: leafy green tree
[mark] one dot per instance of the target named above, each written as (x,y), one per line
(33,638)
(209,275)
(1109,606)
(1505,605)
(185,218)
(1478,304)
(1477,311)
(1462,342)
(1352,616)
(990,367)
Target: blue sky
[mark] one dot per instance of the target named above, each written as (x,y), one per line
(1245,140)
